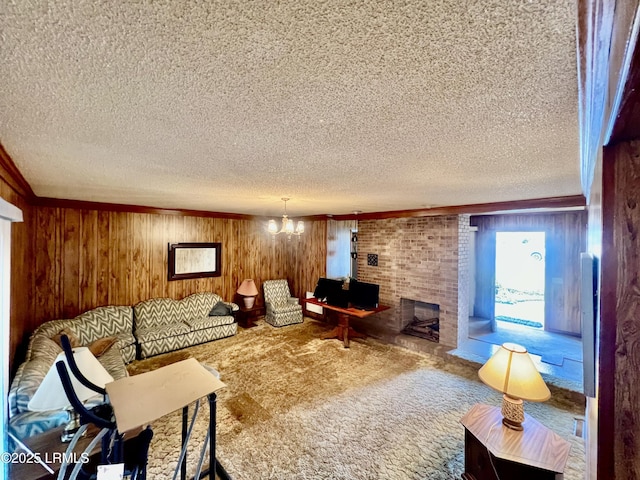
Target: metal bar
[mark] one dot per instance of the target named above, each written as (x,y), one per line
(185,419)
(212,434)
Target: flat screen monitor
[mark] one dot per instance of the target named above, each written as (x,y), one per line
(327,287)
(364,296)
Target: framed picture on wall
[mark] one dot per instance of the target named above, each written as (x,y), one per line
(194,260)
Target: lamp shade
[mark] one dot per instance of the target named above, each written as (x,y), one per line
(50,394)
(511,371)
(248,288)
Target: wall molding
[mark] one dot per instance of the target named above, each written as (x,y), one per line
(12,176)
(47,202)
(530,206)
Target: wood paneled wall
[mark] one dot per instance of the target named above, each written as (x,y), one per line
(66,260)
(619,332)
(565,239)
(87,258)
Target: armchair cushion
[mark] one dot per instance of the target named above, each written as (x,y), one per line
(284,307)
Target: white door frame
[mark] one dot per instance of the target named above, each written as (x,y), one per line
(8,213)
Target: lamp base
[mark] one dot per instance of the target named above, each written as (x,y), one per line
(513,412)
(248,302)
(72,427)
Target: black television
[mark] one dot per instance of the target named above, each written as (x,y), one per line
(364,296)
(327,287)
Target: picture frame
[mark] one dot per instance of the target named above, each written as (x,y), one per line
(194,260)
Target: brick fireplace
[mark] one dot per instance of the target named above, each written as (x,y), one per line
(424,259)
(420,319)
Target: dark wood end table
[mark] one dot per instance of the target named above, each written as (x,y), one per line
(247,316)
(493,451)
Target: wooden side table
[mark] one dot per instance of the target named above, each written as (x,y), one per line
(495,452)
(246,316)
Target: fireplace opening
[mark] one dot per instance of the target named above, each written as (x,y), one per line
(420,319)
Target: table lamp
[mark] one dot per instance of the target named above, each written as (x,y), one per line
(51,395)
(511,371)
(249,291)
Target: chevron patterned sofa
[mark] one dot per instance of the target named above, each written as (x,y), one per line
(163,324)
(101,322)
(151,327)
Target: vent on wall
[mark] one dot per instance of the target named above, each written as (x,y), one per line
(372,259)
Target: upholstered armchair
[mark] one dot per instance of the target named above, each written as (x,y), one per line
(281,308)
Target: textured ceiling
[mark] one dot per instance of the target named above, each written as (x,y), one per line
(341,105)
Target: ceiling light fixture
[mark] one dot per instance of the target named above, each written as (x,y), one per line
(287,224)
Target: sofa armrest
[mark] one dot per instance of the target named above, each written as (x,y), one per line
(292,300)
(234,306)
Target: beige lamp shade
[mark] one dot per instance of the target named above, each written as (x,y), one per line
(51,395)
(511,371)
(248,288)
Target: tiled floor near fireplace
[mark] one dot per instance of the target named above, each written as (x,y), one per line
(558,357)
(562,368)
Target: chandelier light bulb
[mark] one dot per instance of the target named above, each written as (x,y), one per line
(289,227)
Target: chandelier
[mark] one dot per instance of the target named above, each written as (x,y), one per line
(287,224)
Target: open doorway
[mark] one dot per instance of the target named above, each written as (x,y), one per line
(532,261)
(520,280)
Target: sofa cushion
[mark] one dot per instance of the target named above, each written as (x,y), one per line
(92,325)
(103,322)
(159,333)
(112,361)
(165,311)
(221,308)
(74,341)
(31,378)
(27,424)
(44,348)
(208,322)
(100,346)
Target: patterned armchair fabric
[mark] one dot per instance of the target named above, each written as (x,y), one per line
(281,308)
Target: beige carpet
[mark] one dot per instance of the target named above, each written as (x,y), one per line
(297,407)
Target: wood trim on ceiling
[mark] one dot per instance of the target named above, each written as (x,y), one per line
(12,176)
(575,201)
(551,203)
(118,207)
